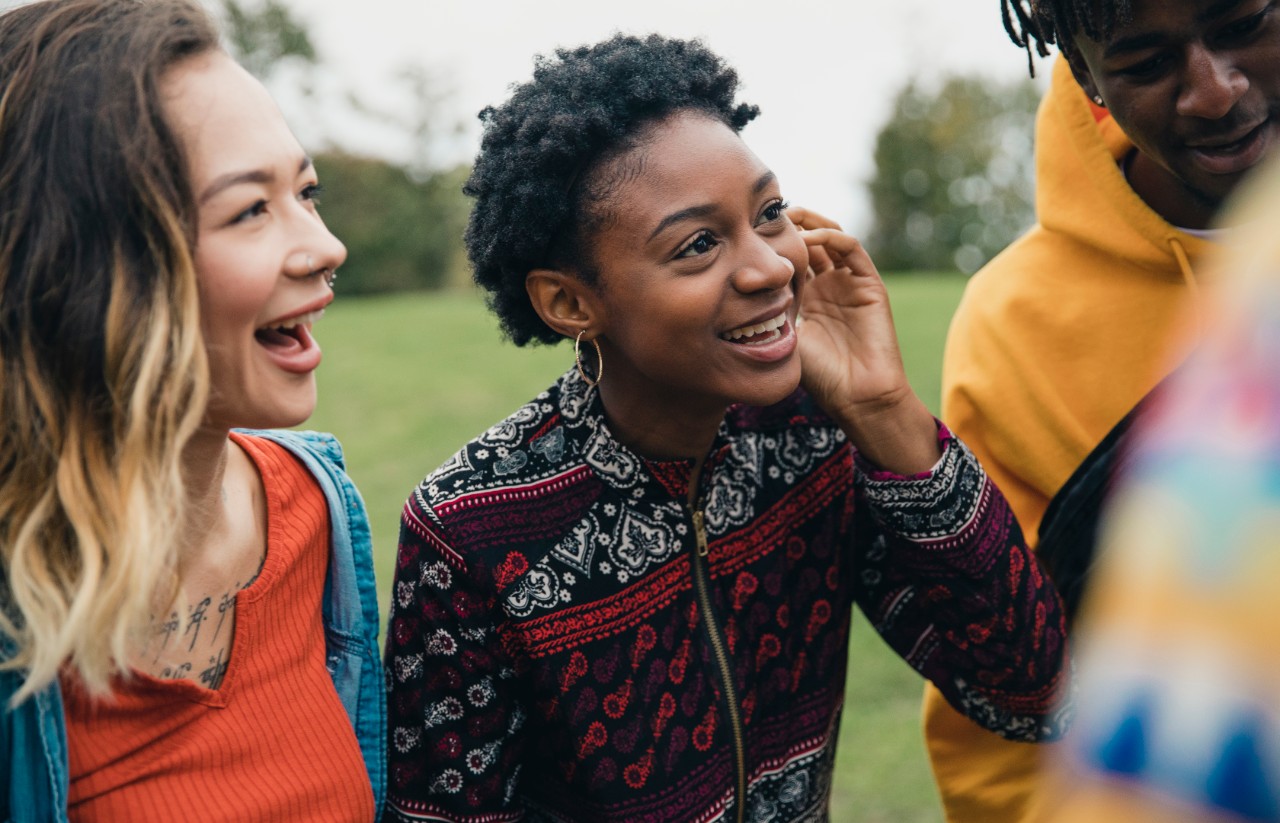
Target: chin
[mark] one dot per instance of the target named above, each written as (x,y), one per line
(282,416)
(772,388)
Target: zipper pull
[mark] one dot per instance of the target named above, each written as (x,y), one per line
(700,532)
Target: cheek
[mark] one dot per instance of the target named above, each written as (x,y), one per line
(1145,118)
(231,297)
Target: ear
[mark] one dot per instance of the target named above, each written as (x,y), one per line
(1079,69)
(564,302)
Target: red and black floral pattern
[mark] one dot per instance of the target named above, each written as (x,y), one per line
(547,653)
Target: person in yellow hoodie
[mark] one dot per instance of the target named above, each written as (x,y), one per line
(1155,112)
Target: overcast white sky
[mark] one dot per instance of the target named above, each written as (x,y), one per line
(823,72)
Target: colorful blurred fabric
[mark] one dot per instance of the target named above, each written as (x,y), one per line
(1178,642)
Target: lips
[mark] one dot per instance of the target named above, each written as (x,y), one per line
(289,344)
(1234,153)
(758,333)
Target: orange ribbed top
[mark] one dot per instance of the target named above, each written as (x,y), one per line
(273,743)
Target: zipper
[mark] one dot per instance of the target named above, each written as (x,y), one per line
(702,583)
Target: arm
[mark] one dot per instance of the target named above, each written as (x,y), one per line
(946,578)
(456,720)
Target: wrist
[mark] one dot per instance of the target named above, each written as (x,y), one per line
(898,435)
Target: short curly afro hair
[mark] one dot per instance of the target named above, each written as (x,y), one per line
(536,181)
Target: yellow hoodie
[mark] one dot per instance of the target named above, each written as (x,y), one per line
(1053,342)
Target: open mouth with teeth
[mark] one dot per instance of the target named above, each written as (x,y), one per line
(290,336)
(759,333)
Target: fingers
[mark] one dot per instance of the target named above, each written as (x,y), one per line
(819,260)
(840,248)
(806,219)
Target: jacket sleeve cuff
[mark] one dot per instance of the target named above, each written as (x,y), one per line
(935,504)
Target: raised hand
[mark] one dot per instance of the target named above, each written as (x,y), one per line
(849,354)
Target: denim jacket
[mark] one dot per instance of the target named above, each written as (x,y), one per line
(33,744)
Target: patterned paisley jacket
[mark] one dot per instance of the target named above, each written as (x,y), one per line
(570,640)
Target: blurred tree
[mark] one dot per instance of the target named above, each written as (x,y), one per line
(263,35)
(402,232)
(402,223)
(954,181)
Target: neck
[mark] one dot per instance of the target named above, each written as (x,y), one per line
(204,466)
(660,430)
(1168,196)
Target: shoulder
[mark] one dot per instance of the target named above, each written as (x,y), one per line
(320,445)
(1016,292)
(519,457)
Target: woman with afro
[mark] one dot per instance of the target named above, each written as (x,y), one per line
(630,600)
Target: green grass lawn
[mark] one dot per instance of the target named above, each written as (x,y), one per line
(408,379)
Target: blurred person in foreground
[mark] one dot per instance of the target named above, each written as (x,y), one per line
(1179,632)
(630,600)
(1155,113)
(188,622)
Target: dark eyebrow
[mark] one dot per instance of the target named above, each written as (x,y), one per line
(1147,40)
(1218,9)
(703,211)
(683,214)
(236,178)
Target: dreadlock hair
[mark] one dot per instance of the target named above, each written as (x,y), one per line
(541,181)
(1040,23)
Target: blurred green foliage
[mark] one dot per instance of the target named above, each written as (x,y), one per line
(402,223)
(403,232)
(954,180)
(263,34)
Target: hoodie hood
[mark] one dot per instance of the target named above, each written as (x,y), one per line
(1063,332)
(1082,193)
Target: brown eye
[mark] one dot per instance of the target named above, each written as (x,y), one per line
(701,244)
(253,211)
(774,211)
(312,192)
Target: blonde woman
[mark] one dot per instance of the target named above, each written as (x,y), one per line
(189,621)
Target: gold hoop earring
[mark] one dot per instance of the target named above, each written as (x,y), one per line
(577,356)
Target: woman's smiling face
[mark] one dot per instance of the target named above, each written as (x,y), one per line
(261,247)
(699,271)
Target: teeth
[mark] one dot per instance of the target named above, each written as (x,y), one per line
(759,328)
(301,320)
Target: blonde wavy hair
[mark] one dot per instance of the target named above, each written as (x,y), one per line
(103,377)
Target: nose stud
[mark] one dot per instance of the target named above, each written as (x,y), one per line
(329,274)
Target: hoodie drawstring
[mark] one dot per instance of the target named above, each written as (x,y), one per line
(1188,277)
(1184,265)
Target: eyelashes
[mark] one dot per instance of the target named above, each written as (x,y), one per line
(310,193)
(705,241)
